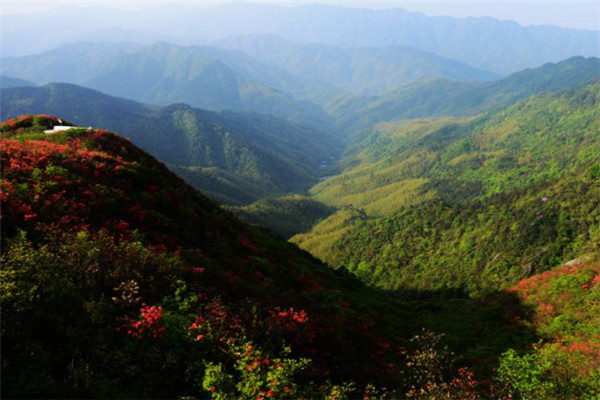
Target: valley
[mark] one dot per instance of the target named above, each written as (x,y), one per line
(282,210)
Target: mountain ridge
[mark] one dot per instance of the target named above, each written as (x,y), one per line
(500,46)
(163,73)
(272,155)
(443,98)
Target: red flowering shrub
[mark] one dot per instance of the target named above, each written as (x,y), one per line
(148,325)
(255,375)
(566,364)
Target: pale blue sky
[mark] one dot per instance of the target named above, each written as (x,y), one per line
(579,14)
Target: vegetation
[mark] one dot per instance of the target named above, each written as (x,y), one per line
(536,140)
(144,280)
(512,192)
(163,74)
(8,82)
(236,157)
(466,249)
(565,364)
(120,281)
(287,215)
(363,70)
(442,98)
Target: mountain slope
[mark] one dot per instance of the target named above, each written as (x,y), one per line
(152,290)
(436,98)
(485,43)
(513,191)
(162,74)
(365,70)
(405,163)
(271,155)
(566,314)
(8,82)
(97,194)
(288,215)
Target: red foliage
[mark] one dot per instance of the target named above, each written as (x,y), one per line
(95,180)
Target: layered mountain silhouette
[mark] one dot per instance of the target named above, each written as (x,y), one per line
(236,157)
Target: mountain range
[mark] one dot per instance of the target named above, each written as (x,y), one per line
(438,98)
(511,192)
(252,201)
(234,157)
(163,74)
(363,70)
(152,289)
(497,46)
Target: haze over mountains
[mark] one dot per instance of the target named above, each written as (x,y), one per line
(437,98)
(163,74)
(497,46)
(433,184)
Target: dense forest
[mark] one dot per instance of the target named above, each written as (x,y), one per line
(513,192)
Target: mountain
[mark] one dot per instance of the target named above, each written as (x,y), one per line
(152,290)
(28,33)
(436,98)
(364,70)
(475,203)
(237,157)
(162,74)
(149,238)
(8,82)
(485,43)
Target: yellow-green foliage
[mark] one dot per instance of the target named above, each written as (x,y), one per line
(378,188)
(387,179)
(472,203)
(406,163)
(318,241)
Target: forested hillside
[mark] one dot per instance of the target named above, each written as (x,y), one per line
(301,201)
(152,290)
(286,215)
(236,157)
(476,203)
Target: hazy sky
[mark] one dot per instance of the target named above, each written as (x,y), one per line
(580,14)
